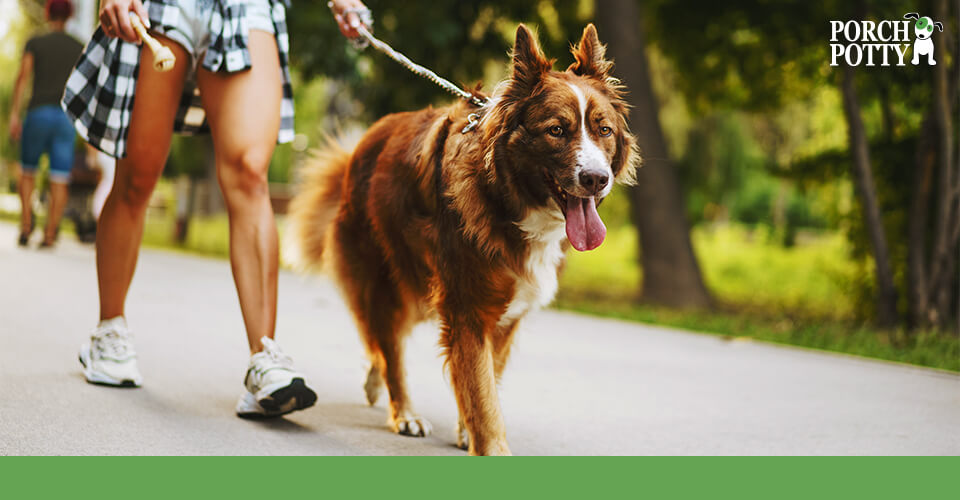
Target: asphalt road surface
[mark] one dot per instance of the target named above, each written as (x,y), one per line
(576,385)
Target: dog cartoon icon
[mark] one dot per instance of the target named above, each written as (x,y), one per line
(923,29)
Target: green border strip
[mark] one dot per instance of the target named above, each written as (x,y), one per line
(464,478)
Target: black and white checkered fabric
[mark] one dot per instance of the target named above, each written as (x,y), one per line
(99,94)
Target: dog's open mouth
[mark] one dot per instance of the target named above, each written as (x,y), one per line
(585,230)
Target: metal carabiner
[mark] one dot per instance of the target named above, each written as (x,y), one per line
(473,119)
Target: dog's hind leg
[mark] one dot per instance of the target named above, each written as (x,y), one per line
(403,419)
(501,347)
(384,324)
(374,384)
(383,318)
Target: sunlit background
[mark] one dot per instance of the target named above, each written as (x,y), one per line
(753,121)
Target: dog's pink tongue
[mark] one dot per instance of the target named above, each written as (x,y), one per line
(585,230)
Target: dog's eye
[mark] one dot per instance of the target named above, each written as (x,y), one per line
(556,131)
(605,131)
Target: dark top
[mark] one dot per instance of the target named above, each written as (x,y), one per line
(54,55)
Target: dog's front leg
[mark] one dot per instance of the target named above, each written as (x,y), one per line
(470,358)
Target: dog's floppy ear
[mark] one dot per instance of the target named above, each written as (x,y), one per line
(911,15)
(939,25)
(590,56)
(529,63)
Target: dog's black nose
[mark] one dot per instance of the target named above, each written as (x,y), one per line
(594,180)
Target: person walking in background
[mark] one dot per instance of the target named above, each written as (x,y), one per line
(48,58)
(235,52)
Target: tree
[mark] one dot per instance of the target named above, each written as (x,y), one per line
(932,258)
(867,192)
(756,55)
(671,274)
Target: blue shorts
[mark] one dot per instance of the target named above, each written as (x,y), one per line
(48,130)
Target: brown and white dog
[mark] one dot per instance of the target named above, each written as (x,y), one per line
(424,220)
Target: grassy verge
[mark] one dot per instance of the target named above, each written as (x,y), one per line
(814,278)
(206,235)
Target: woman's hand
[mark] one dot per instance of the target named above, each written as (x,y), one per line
(115,18)
(15,127)
(345,12)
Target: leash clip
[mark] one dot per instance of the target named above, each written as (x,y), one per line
(473,119)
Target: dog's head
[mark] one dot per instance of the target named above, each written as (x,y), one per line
(564,135)
(923,27)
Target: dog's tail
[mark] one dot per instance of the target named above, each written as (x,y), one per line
(312,211)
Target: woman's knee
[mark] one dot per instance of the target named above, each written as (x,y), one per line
(138,173)
(244,175)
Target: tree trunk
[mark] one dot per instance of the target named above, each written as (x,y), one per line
(671,275)
(866,190)
(932,260)
(887,111)
(917,221)
(943,256)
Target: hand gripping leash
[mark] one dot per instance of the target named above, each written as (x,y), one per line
(367,38)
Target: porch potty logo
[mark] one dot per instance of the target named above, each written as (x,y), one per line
(882,44)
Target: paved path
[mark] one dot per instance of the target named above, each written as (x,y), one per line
(576,384)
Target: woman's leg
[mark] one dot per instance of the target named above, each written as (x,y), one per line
(31,148)
(148,142)
(26,185)
(58,201)
(61,151)
(243,110)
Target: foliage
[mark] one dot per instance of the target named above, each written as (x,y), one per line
(744,54)
(767,60)
(20,26)
(460,40)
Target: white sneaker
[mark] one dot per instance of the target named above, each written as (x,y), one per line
(274,388)
(109,358)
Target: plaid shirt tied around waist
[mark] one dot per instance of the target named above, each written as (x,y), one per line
(99,94)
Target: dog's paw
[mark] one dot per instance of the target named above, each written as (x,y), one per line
(374,385)
(463,437)
(411,425)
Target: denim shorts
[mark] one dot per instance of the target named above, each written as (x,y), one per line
(48,130)
(193,29)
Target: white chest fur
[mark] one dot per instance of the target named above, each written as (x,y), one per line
(537,284)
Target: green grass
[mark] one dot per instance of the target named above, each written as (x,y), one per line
(206,235)
(746,268)
(742,269)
